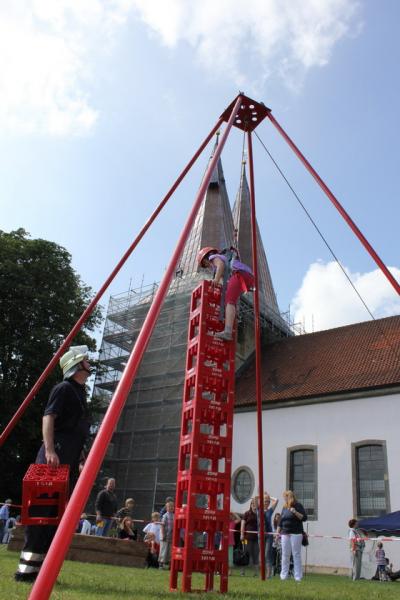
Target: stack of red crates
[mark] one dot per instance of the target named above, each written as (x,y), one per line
(201,527)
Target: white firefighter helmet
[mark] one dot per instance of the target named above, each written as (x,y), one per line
(69,362)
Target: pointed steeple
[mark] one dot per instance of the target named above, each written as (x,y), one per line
(242,222)
(213,225)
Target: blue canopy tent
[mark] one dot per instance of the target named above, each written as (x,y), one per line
(386,525)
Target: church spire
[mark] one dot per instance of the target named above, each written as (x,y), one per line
(242,223)
(213,225)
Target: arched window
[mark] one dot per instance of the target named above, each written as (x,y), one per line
(242,484)
(370,478)
(302,477)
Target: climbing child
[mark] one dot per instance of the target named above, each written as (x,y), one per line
(232,274)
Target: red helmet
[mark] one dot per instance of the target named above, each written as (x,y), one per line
(203,253)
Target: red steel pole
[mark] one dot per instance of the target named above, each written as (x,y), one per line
(88,311)
(337,204)
(257,334)
(59,547)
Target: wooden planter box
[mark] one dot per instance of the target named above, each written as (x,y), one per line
(93,549)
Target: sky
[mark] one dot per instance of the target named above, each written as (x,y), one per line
(102,103)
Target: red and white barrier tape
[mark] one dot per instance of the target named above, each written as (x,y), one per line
(310,535)
(331,537)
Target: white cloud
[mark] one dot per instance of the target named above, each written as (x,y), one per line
(45,52)
(48,48)
(249,42)
(326,298)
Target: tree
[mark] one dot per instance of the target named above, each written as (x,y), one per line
(41,297)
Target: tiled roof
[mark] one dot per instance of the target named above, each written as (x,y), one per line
(356,357)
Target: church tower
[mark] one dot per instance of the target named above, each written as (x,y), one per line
(143,454)
(213,225)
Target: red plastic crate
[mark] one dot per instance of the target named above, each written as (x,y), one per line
(205,451)
(44,486)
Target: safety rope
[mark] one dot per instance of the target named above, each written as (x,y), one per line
(230,255)
(381,330)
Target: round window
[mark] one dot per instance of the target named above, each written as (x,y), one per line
(242,484)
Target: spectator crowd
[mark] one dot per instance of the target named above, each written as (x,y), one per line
(284,534)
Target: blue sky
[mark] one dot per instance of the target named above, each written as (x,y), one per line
(103,103)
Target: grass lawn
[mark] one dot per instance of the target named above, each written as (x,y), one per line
(82,581)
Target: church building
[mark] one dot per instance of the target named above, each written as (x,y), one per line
(330,399)
(331,403)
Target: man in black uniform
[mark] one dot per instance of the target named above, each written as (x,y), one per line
(65,429)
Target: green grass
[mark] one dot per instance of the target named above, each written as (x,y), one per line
(81,581)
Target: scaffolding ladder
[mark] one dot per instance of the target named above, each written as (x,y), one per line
(201,525)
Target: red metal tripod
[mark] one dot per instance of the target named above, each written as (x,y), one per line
(244,114)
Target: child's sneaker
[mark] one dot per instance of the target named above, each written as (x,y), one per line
(224,335)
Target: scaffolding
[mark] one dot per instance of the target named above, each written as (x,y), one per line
(143,454)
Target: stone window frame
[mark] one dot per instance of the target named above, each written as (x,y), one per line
(289,453)
(354,448)
(233,479)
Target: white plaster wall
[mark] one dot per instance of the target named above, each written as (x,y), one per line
(332,427)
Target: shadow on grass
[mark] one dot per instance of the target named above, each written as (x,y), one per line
(249,589)
(159,589)
(113,591)
(84,581)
